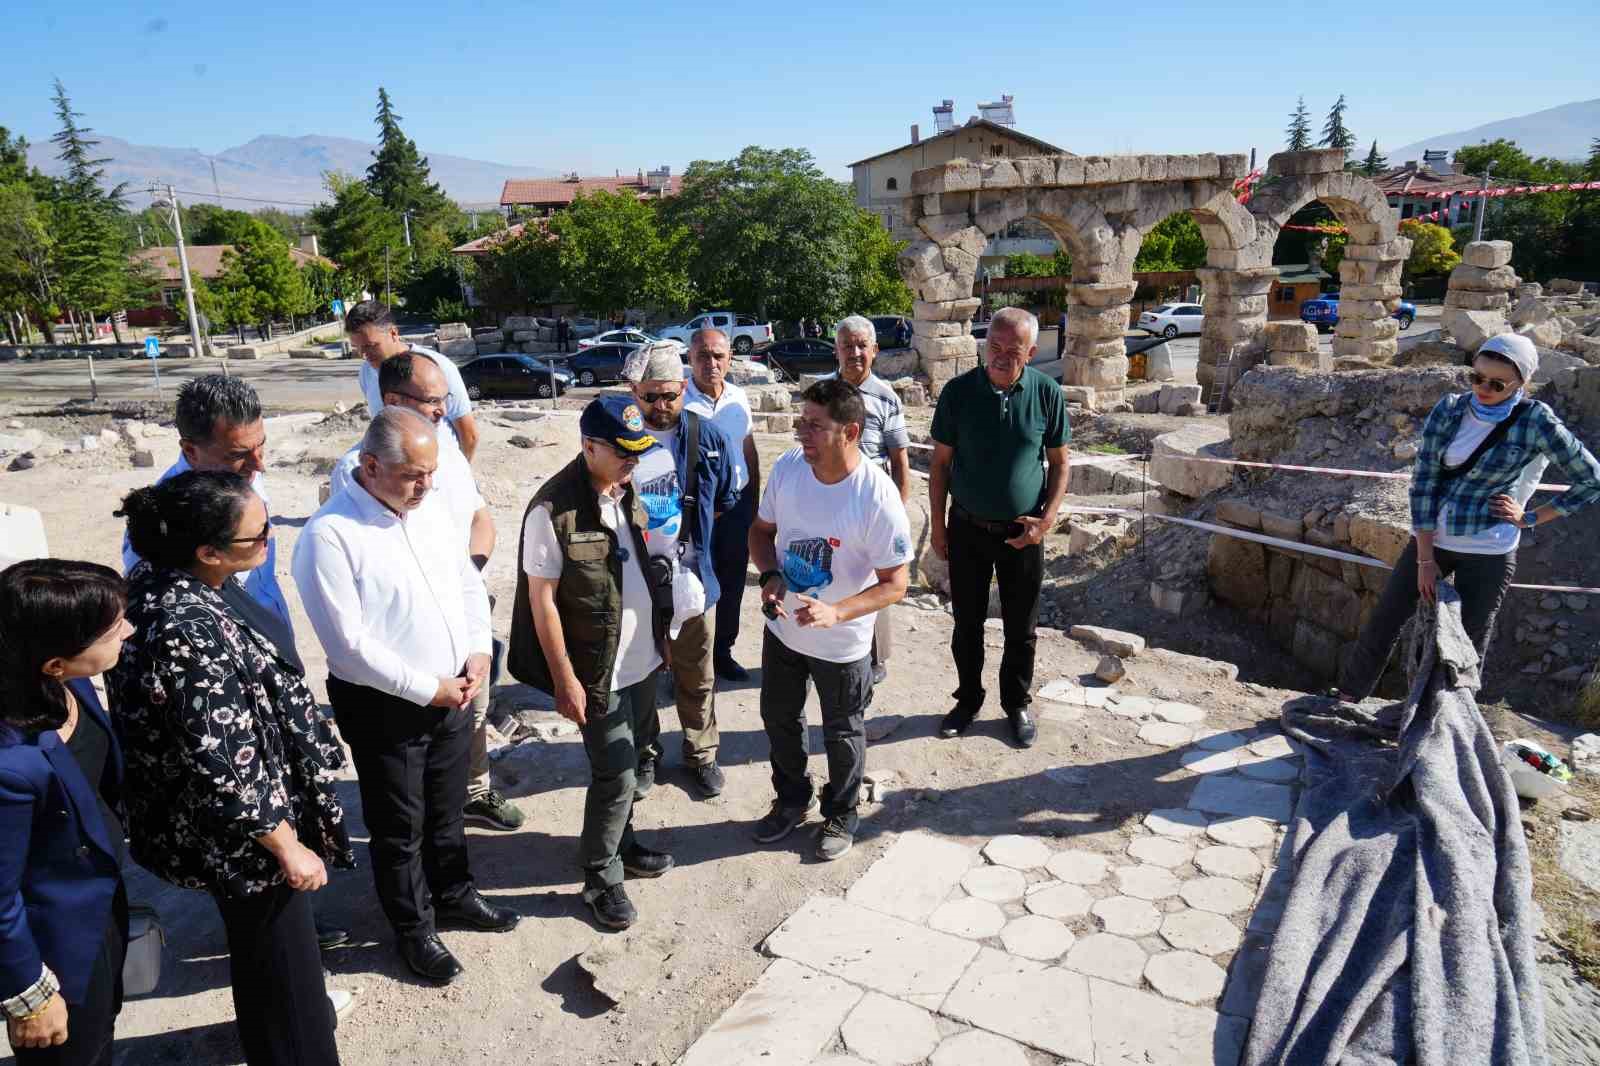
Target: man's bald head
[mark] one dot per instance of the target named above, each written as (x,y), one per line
(416,382)
(399,455)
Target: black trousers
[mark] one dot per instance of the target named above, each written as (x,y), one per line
(412,766)
(92,1020)
(978,556)
(282,1008)
(844,690)
(1481,580)
(730,559)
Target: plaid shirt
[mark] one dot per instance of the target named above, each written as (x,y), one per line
(1537,431)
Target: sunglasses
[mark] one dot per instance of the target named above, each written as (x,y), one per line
(259,538)
(657,397)
(1484,381)
(626,456)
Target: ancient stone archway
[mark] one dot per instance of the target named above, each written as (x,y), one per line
(1100,208)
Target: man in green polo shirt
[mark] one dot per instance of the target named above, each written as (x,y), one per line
(996,428)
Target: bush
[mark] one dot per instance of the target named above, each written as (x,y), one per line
(449,309)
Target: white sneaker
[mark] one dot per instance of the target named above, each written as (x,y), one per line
(343,1002)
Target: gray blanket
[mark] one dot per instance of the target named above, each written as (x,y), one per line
(1408,932)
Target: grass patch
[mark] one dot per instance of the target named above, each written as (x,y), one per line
(1104,449)
(1572,911)
(1585,707)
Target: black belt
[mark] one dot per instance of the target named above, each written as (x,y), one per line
(958,511)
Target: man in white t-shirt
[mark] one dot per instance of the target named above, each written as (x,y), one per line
(833,544)
(586,629)
(374,336)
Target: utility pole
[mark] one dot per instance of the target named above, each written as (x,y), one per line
(1483,205)
(195,333)
(405,220)
(388,290)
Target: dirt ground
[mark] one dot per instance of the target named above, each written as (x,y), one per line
(524,996)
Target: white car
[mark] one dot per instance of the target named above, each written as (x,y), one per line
(1169,320)
(619,336)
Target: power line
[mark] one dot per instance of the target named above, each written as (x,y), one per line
(250,199)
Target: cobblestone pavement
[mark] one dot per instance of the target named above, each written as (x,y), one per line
(1025,952)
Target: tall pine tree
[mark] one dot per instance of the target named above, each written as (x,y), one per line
(1334,133)
(92,263)
(399,175)
(1374,164)
(1298,136)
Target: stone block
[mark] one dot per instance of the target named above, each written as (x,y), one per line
(22,534)
(1079,394)
(513,323)
(888,1032)
(1381,539)
(764,1026)
(1238,571)
(1374,329)
(868,948)
(1469,329)
(911,393)
(1480,279)
(1108,957)
(974,1047)
(1290,337)
(1172,397)
(1100,293)
(1170,450)
(457,349)
(975,919)
(1311,161)
(1369,272)
(998,174)
(922,328)
(315,353)
(1233,794)
(942,287)
(913,877)
(1363,309)
(1466,300)
(453,331)
(1095,373)
(1185,976)
(1115,641)
(1158,363)
(1179,601)
(937,349)
(921,260)
(958,175)
(1487,254)
(1043,1006)
(1396,249)
(244,351)
(958,260)
(1134,1026)
(946,311)
(1318,362)
(1385,292)
(1314,646)
(1102,323)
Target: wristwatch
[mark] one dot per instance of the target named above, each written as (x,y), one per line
(1530,519)
(767,575)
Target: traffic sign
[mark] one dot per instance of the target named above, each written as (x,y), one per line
(152,348)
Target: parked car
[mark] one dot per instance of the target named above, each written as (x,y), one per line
(1323,312)
(799,355)
(621,336)
(744,332)
(894,331)
(599,364)
(513,375)
(1169,320)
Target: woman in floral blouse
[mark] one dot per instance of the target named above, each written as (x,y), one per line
(229,765)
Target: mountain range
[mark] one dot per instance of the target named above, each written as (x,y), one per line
(284,169)
(1564,132)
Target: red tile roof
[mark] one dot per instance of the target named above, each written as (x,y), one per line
(543,191)
(1423,183)
(482,244)
(205,260)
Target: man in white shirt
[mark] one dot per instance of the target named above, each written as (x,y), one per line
(586,629)
(833,545)
(710,395)
(374,336)
(411,381)
(403,616)
(885,441)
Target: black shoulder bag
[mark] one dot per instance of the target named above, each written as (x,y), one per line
(1496,435)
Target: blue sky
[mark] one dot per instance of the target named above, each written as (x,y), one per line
(598,87)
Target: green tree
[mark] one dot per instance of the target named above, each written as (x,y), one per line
(259,281)
(614,253)
(874,285)
(1432,249)
(1375,163)
(362,235)
(1174,243)
(26,254)
(1334,132)
(1547,230)
(1028,265)
(1297,138)
(518,272)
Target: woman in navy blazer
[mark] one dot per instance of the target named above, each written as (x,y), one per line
(63,910)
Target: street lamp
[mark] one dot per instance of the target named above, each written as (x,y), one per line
(170,202)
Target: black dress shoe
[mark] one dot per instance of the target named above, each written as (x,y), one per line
(329,936)
(428,956)
(956,722)
(612,908)
(729,670)
(640,861)
(708,778)
(1022,727)
(475,911)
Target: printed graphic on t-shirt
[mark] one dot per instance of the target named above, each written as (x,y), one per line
(663,502)
(808,564)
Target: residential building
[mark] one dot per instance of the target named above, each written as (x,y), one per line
(1418,189)
(883,181)
(524,198)
(1297,283)
(205,264)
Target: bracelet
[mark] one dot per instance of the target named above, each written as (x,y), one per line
(37,1013)
(31,1001)
(767,575)
(1427,562)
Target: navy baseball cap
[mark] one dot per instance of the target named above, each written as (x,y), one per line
(617,420)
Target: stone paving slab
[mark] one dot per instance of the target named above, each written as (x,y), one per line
(914,876)
(1137,1028)
(872,949)
(1232,794)
(888,1032)
(978,1048)
(763,1025)
(1044,1006)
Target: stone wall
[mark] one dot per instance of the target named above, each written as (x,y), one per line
(1478,295)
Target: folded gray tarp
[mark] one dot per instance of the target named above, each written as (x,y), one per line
(1408,932)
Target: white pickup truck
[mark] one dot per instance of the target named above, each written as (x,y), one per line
(744,332)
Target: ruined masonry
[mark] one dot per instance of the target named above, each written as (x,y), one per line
(1101,207)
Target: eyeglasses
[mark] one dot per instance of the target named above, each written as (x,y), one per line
(429,400)
(657,397)
(1484,381)
(625,456)
(259,538)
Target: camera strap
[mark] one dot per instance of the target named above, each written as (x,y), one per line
(690,501)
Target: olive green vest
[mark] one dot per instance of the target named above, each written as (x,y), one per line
(589,592)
